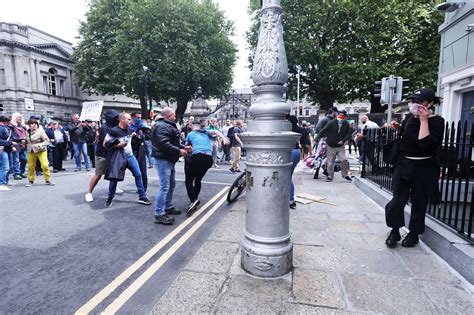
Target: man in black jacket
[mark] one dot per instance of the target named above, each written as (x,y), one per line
(77,135)
(166,151)
(337,132)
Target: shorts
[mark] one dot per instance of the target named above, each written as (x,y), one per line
(100,165)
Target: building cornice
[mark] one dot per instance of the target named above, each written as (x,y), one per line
(53,45)
(12,44)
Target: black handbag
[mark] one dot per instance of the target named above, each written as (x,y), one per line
(391,151)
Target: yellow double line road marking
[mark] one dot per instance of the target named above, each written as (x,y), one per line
(104,293)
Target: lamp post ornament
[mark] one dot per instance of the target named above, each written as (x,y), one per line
(266,248)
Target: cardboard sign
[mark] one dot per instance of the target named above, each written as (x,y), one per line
(29,104)
(91,110)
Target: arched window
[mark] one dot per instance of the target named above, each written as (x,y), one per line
(52,81)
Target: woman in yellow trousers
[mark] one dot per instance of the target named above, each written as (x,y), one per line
(37,148)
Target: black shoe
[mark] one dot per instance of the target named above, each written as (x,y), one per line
(55,171)
(393,238)
(17,177)
(23,176)
(164,219)
(348,178)
(108,203)
(325,173)
(410,240)
(192,207)
(329,179)
(62,169)
(293,205)
(237,170)
(172,211)
(232,170)
(144,201)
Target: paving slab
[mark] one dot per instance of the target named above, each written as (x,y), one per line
(449,298)
(213,257)
(191,292)
(317,288)
(387,295)
(247,305)
(277,290)
(230,229)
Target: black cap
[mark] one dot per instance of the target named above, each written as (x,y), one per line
(342,112)
(88,120)
(424,94)
(4,118)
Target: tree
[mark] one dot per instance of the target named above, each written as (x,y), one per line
(184,43)
(342,47)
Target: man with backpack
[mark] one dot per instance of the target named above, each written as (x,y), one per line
(236,145)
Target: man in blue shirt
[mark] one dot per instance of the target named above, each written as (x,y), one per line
(200,160)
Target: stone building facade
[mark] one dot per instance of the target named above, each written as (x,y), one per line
(37,78)
(456,71)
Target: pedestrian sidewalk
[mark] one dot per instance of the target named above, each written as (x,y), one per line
(341,265)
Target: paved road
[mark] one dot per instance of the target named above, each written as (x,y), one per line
(57,252)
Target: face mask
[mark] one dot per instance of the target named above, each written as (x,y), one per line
(413,107)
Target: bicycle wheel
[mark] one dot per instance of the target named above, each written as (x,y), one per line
(238,186)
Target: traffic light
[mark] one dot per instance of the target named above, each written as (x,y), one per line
(401,90)
(382,90)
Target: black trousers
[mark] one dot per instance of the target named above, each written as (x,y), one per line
(195,169)
(59,152)
(417,181)
(91,153)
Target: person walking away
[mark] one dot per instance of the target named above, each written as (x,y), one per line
(77,134)
(37,143)
(148,146)
(19,157)
(58,138)
(111,120)
(236,146)
(305,141)
(118,142)
(337,132)
(200,161)
(6,144)
(167,149)
(362,137)
(139,134)
(416,169)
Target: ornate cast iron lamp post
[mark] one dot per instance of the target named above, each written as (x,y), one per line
(267,250)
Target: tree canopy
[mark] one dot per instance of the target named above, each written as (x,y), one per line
(184,43)
(343,46)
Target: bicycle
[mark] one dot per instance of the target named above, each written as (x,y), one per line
(238,186)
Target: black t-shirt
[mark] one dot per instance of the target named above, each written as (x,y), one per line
(411,146)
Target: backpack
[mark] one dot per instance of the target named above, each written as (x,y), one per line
(230,135)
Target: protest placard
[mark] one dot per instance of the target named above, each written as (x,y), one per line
(91,110)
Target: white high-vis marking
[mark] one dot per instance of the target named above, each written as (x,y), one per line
(112,286)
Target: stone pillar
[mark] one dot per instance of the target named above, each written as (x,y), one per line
(9,72)
(18,72)
(39,78)
(267,250)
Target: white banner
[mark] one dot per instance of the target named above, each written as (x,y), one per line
(91,110)
(29,104)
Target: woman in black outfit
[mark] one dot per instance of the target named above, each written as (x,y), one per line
(416,169)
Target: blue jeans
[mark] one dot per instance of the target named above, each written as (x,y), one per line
(4,168)
(78,148)
(149,148)
(18,159)
(295,159)
(166,173)
(135,169)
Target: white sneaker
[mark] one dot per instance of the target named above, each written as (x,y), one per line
(118,191)
(89,197)
(215,165)
(4,188)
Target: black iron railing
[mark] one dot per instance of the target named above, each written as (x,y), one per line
(456,180)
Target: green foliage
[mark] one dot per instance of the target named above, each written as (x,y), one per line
(184,43)
(343,46)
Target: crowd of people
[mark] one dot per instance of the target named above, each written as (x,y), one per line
(125,141)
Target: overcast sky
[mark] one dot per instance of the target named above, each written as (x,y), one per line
(61,19)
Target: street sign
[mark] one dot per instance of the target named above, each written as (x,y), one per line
(29,104)
(91,110)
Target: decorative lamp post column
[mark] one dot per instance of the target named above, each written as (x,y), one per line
(267,250)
